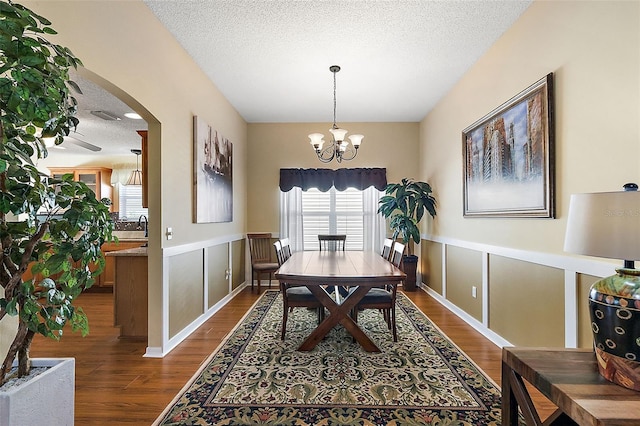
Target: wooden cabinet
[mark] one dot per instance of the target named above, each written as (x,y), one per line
(98,179)
(108,276)
(145,168)
(130,293)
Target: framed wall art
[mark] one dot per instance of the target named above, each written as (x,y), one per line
(508,164)
(212,174)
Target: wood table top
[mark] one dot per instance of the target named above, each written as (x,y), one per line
(344,267)
(570,379)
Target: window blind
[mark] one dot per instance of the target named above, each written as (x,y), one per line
(333,212)
(131,202)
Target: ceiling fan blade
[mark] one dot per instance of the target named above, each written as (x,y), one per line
(83,144)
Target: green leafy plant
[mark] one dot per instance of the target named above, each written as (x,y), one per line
(405,204)
(51,230)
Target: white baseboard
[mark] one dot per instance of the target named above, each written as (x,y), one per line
(477,325)
(160,352)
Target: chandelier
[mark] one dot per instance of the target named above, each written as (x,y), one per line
(339,148)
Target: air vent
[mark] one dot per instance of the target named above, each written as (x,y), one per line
(105,115)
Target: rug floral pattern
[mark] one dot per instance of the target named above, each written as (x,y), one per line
(254,378)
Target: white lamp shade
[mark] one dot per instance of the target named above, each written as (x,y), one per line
(338,134)
(356,140)
(316,139)
(135,178)
(605,224)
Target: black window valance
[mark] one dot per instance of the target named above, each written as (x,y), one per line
(324,179)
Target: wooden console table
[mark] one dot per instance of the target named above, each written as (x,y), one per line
(569,378)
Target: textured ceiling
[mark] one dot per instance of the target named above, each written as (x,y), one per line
(271,58)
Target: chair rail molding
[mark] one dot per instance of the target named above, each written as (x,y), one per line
(572,266)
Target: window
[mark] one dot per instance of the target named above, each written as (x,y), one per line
(333,212)
(130,200)
(305,214)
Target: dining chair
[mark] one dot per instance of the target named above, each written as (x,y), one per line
(277,245)
(397,253)
(294,296)
(384,298)
(386,248)
(261,263)
(286,247)
(332,242)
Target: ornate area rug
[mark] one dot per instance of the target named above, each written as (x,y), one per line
(254,378)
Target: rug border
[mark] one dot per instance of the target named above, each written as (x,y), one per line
(454,343)
(267,293)
(206,361)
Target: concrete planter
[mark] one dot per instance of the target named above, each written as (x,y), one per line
(48,397)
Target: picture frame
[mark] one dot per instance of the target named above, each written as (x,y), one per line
(508,157)
(212,174)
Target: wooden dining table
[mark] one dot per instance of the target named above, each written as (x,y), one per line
(317,269)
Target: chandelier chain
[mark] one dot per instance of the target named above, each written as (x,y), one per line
(334,100)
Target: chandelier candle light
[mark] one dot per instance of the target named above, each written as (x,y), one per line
(607,224)
(340,149)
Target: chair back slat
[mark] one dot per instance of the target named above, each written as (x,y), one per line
(279,253)
(332,242)
(398,251)
(386,248)
(286,248)
(260,247)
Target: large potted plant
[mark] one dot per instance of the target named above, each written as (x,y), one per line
(405,204)
(51,230)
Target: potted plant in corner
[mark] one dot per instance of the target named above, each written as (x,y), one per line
(51,230)
(405,204)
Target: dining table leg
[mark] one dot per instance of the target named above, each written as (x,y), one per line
(338,313)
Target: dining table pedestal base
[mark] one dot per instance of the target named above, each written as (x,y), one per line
(339,313)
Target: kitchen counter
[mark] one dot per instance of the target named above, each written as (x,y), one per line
(130,296)
(136,251)
(130,235)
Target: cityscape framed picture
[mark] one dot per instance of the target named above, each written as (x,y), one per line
(212,174)
(508,164)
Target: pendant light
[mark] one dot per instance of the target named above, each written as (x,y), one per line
(136,175)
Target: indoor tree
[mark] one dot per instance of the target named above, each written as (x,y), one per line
(405,204)
(51,229)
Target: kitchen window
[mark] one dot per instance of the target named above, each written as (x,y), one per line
(130,200)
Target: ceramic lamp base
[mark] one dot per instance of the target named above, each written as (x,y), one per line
(614,304)
(620,371)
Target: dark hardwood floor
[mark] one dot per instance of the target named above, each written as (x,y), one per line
(116,385)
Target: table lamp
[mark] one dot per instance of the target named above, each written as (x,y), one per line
(607,224)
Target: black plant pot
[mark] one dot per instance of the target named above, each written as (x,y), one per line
(409,267)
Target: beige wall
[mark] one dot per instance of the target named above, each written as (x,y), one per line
(593,48)
(275,146)
(125,44)
(126,50)
(431,265)
(464,271)
(217,281)
(526,304)
(238,262)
